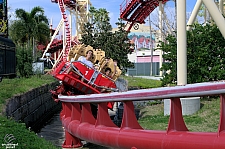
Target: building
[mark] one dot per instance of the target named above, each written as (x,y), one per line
(145,54)
(143,45)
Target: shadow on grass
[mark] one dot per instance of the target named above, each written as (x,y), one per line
(201,105)
(142,113)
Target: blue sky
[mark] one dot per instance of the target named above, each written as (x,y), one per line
(52,10)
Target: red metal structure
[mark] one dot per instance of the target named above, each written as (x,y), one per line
(136,11)
(60,47)
(77,78)
(80,124)
(67,28)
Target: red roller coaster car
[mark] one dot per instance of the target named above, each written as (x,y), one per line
(77,78)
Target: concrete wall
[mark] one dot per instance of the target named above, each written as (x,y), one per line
(32,106)
(189,105)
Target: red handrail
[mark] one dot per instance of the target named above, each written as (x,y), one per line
(79,122)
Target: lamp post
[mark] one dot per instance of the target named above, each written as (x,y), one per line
(150,44)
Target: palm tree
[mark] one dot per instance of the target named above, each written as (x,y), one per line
(30,28)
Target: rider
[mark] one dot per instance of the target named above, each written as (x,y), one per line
(87,60)
(108,70)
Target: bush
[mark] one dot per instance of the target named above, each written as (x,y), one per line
(24,61)
(205,55)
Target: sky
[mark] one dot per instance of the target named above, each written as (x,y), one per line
(53,13)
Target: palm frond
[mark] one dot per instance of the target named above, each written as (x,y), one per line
(36,11)
(22,14)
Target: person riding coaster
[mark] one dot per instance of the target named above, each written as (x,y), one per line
(94,81)
(79,75)
(93,77)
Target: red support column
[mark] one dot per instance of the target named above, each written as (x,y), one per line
(129,117)
(103,117)
(86,114)
(76,111)
(176,121)
(62,113)
(222,114)
(70,140)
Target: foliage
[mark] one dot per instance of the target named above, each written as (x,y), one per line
(30,28)
(24,61)
(29,25)
(170,55)
(201,13)
(121,46)
(98,34)
(205,55)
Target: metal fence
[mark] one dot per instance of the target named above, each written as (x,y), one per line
(144,69)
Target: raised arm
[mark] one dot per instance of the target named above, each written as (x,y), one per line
(114,71)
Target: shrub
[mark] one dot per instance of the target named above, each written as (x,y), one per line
(24,61)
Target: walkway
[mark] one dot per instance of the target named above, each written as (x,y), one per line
(149,77)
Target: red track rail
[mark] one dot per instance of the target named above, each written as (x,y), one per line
(136,11)
(67,31)
(67,28)
(80,124)
(69,3)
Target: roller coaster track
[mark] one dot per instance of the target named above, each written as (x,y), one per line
(80,124)
(79,9)
(136,11)
(67,29)
(64,54)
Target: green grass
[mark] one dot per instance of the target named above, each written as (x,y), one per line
(26,139)
(11,87)
(141,82)
(204,120)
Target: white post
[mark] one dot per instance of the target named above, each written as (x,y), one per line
(151,46)
(182,62)
(216,15)
(64,35)
(53,37)
(194,14)
(181,43)
(160,34)
(221,6)
(76,17)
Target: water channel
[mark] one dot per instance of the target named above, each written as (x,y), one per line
(54,132)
